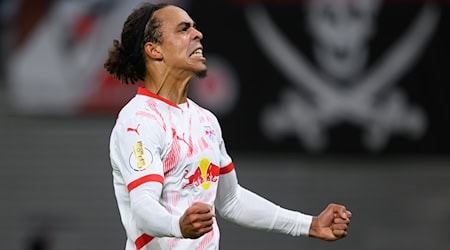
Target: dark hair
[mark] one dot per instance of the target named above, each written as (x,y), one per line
(126,60)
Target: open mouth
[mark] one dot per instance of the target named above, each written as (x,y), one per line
(197,53)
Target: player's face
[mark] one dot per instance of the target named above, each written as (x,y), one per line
(181,47)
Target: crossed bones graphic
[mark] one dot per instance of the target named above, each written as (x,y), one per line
(372,103)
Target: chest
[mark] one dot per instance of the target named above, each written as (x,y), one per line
(192,140)
(193,156)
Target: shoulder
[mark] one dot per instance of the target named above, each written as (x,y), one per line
(203,111)
(137,114)
(143,108)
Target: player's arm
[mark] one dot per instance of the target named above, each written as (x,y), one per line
(136,147)
(151,217)
(246,208)
(154,219)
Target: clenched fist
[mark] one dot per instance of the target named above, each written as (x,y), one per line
(197,220)
(331,224)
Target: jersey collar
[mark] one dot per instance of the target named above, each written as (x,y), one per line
(146,92)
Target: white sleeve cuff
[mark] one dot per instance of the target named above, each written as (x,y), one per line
(292,222)
(176,230)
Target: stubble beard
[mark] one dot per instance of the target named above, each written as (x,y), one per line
(202,73)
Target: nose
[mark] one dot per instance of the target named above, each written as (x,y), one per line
(197,34)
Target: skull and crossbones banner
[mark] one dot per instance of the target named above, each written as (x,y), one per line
(334,76)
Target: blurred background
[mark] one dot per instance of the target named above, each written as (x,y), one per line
(320,101)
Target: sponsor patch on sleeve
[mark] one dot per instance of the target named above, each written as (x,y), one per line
(140,158)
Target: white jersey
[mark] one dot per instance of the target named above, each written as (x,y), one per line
(178,146)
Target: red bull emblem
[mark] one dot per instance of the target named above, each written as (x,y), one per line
(205,173)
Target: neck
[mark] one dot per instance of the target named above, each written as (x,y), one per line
(168,87)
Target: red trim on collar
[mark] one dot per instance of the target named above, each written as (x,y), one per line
(146,92)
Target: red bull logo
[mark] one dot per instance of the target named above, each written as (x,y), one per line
(205,173)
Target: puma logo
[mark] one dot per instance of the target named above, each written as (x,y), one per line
(134,129)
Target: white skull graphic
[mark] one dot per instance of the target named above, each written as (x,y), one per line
(341,30)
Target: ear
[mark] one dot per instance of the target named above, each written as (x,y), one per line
(153,50)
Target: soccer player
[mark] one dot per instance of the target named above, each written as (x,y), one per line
(171,169)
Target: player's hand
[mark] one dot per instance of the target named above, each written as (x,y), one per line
(197,220)
(331,224)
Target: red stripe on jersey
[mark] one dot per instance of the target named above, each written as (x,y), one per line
(143,240)
(227,169)
(147,178)
(144,91)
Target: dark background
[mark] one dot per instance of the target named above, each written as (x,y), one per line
(426,83)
